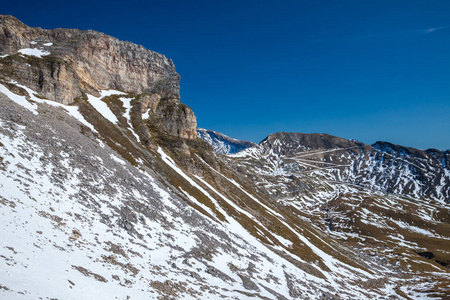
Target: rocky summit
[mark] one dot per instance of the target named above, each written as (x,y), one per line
(109,191)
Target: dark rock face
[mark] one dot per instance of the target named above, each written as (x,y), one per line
(427,255)
(75,62)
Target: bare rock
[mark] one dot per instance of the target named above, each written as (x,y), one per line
(82,62)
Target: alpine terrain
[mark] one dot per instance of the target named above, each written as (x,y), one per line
(109,191)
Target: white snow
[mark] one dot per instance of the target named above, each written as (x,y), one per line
(415,229)
(21,100)
(127,104)
(37,256)
(336,266)
(74,112)
(44,259)
(287,243)
(48,44)
(34,52)
(102,107)
(146,115)
(274,213)
(194,200)
(116,159)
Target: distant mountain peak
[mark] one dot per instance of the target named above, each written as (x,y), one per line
(221,143)
(284,142)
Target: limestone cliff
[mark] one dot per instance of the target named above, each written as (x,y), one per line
(63,64)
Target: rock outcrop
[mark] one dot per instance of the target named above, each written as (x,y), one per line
(176,118)
(63,64)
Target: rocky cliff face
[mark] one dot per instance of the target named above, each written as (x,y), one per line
(64,64)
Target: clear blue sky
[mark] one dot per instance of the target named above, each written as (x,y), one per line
(368,70)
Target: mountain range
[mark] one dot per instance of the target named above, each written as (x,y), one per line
(108,190)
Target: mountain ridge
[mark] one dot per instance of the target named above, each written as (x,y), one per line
(364,163)
(383,158)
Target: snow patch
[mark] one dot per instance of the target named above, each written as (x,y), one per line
(116,159)
(146,115)
(102,107)
(127,104)
(34,52)
(71,110)
(21,100)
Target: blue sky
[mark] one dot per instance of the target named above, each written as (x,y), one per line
(367,70)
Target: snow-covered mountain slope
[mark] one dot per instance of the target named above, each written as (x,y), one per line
(381,167)
(79,220)
(221,143)
(110,195)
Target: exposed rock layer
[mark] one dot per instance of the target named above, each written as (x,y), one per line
(87,61)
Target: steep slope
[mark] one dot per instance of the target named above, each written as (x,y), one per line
(106,192)
(77,214)
(221,143)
